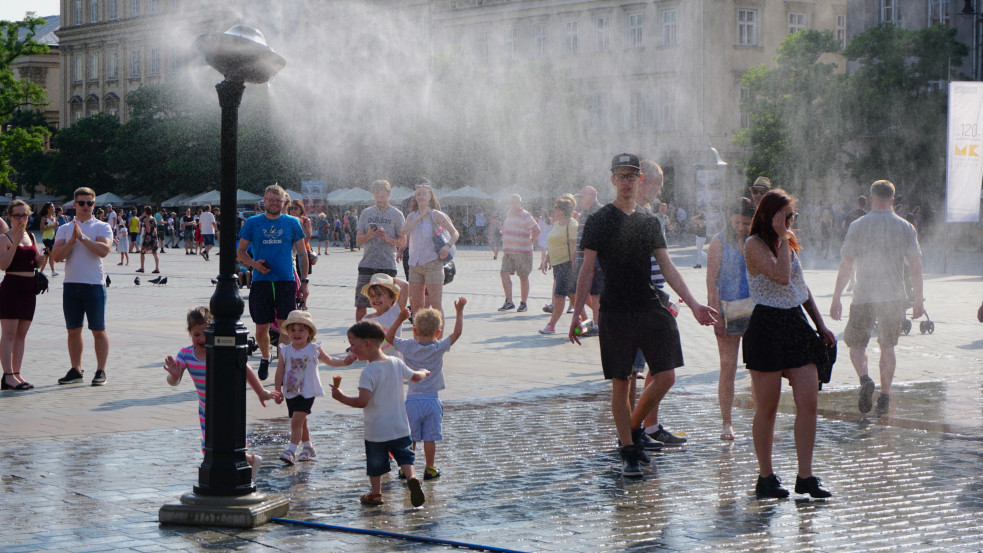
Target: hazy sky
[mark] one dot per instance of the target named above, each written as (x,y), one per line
(14,10)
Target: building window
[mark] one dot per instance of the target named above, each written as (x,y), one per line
(175,6)
(889,11)
(154,7)
(667,110)
(636,110)
(747,27)
(540,35)
(93,11)
(134,8)
(111,102)
(570,38)
(111,9)
(602,35)
(77,12)
(841,30)
(112,65)
(481,46)
(796,22)
(173,58)
(670,28)
(91,105)
(635,30)
(135,63)
(747,98)
(94,67)
(75,109)
(512,44)
(154,61)
(77,68)
(938,12)
(596,111)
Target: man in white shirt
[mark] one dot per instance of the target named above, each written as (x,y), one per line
(111,217)
(206,221)
(82,244)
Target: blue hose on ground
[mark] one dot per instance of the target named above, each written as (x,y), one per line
(383,533)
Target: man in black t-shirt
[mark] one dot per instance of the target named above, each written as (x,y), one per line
(623,239)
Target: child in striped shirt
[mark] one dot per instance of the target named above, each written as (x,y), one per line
(192,358)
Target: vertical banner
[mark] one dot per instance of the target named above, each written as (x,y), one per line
(964,152)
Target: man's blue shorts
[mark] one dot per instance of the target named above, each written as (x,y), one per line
(84,301)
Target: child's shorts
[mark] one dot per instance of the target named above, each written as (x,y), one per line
(426,414)
(299,403)
(377,455)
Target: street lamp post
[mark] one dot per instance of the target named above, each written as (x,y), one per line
(225,494)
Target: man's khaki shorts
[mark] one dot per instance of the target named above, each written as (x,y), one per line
(518,263)
(888,315)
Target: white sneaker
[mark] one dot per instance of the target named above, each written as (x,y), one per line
(308,454)
(54,272)
(288,457)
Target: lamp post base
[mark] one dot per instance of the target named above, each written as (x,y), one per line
(245,511)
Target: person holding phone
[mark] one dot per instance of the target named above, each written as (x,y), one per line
(380,231)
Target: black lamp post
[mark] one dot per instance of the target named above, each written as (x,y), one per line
(225,494)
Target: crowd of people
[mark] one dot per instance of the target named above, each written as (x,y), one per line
(611,260)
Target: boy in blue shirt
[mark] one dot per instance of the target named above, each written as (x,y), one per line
(426,351)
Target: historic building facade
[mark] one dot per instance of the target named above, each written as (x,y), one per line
(44,69)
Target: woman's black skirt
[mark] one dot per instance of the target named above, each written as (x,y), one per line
(779,339)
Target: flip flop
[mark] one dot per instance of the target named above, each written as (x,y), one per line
(729,437)
(371,499)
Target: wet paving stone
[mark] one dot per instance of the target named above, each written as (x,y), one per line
(536,474)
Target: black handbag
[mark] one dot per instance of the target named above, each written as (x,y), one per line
(449,271)
(825,364)
(40,282)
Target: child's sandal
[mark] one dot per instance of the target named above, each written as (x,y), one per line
(371,499)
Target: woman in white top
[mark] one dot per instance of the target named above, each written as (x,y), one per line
(780,343)
(426,263)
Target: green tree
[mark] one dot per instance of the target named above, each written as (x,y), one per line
(20,142)
(896,116)
(81,159)
(793,137)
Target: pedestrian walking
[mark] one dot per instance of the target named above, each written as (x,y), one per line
(82,245)
(208,228)
(561,242)
(274,291)
(426,260)
(298,383)
(623,239)
(150,240)
(877,247)
(380,395)
(520,232)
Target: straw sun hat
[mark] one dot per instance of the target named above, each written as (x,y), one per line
(301,317)
(384,280)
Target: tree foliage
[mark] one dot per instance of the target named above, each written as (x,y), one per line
(81,158)
(22,141)
(886,119)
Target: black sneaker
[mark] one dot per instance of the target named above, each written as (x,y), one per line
(883,405)
(647,442)
(522,307)
(629,462)
(74,376)
(264,369)
(99,379)
(770,486)
(866,394)
(810,486)
(507,306)
(636,438)
(667,438)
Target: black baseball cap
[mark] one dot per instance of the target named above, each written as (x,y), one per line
(625,160)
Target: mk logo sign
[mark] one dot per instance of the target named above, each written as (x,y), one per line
(970,150)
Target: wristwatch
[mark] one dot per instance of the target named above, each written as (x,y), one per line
(305,280)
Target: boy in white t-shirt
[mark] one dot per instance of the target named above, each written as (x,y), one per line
(425,351)
(380,394)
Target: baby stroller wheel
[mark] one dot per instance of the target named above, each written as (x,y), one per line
(906,326)
(923,327)
(930,326)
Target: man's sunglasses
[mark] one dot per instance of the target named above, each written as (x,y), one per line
(87,203)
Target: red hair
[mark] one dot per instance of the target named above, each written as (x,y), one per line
(761,226)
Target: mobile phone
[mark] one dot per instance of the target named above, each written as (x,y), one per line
(373,228)
(266,264)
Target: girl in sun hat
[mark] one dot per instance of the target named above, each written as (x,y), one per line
(298,382)
(387,295)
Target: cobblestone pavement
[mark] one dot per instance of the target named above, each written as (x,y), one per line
(528,457)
